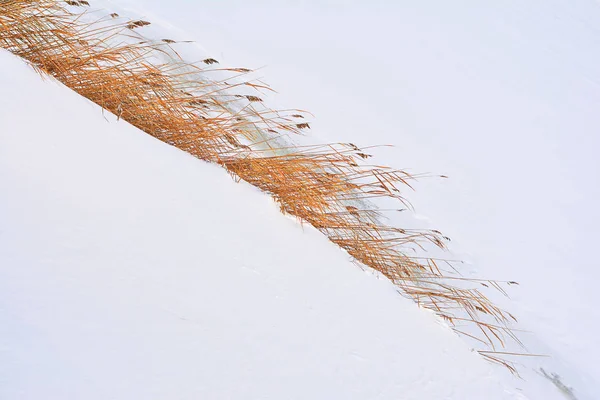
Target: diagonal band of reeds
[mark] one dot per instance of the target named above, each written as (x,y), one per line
(331,187)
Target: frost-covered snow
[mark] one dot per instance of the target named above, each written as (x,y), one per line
(130,270)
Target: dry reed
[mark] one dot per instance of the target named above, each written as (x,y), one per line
(145,83)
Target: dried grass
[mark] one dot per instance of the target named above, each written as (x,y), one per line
(330,187)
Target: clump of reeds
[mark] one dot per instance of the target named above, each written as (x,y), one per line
(147,84)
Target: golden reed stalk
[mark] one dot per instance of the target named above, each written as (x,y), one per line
(331,187)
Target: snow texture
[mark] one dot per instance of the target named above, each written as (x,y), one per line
(131,270)
(502,97)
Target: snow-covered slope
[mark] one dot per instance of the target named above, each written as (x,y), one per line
(131,270)
(502,96)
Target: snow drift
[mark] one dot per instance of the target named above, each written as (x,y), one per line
(147,83)
(120,279)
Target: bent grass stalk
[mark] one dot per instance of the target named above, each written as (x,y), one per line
(224,121)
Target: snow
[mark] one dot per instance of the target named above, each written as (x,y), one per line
(129,269)
(502,97)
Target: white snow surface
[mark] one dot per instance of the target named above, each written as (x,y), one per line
(131,270)
(501,96)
